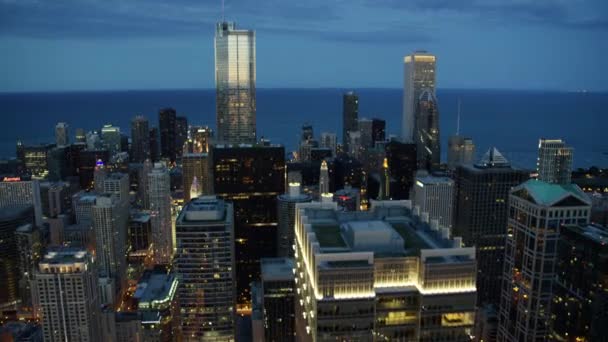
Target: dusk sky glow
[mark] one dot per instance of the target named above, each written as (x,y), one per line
(160,44)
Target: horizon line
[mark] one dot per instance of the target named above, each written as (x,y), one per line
(121,90)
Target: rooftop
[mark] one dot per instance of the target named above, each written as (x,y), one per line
(204,208)
(549,194)
(155,287)
(593,232)
(277,268)
(64,255)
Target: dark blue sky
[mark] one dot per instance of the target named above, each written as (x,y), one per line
(142,44)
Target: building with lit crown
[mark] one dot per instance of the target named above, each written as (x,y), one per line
(419,74)
(382,274)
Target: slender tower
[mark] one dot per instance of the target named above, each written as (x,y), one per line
(324,179)
(235,84)
(419,74)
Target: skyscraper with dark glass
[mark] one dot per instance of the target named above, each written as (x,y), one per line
(419,75)
(181,134)
(251,177)
(480,216)
(235,75)
(140,139)
(350,115)
(166,125)
(426,130)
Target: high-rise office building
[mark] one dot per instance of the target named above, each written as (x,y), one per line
(329,140)
(62,137)
(15,192)
(251,177)
(140,139)
(159,192)
(402,164)
(461,150)
(365,127)
(286,215)
(378,130)
(140,231)
(200,139)
(383,273)
(537,210)
(181,134)
(36,158)
(579,299)
(205,266)
(426,130)
(29,247)
(480,216)
(11,218)
(324,179)
(419,75)
(65,293)
(350,115)
(117,184)
(196,165)
(80,136)
(166,127)
(110,135)
(235,78)
(554,161)
(278,298)
(110,222)
(87,163)
(435,195)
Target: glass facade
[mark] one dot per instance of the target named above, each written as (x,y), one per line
(235,84)
(419,75)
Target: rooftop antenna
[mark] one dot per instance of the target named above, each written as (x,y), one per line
(223,18)
(458,119)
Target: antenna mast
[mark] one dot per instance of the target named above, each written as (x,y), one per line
(223,18)
(458,119)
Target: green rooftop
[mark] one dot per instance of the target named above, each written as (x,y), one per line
(412,243)
(548,194)
(329,235)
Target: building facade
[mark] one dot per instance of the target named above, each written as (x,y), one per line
(350,115)
(195,165)
(419,74)
(554,161)
(205,267)
(435,195)
(235,78)
(286,218)
(426,130)
(383,274)
(480,216)
(65,292)
(461,150)
(159,192)
(278,299)
(140,139)
(537,210)
(166,128)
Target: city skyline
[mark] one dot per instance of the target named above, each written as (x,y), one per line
(332,45)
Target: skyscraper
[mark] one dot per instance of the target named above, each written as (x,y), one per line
(62,137)
(235,77)
(461,150)
(159,192)
(480,216)
(554,161)
(329,140)
(579,299)
(195,165)
(140,139)
(402,164)
(181,134)
(378,130)
(287,211)
(350,115)
(324,178)
(110,221)
(110,135)
(154,144)
(419,75)
(10,219)
(435,195)
(278,298)
(65,291)
(166,127)
(251,177)
(205,265)
(16,192)
(426,131)
(537,210)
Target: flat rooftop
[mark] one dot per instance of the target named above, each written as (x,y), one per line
(204,208)
(155,285)
(384,231)
(64,256)
(277,268)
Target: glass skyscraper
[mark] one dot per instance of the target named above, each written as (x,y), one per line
(419,75)
(235,84)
